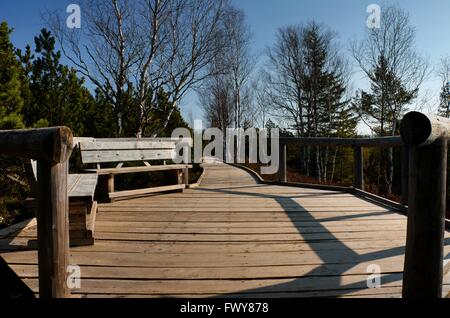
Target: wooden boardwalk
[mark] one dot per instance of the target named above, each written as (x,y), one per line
(234,237)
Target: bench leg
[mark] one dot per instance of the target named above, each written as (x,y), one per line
(186,177)
(110,184)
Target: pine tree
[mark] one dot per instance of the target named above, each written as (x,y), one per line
(11,102)
(159,113)
(380,108)
(444,101)
(323,88)
(58,96)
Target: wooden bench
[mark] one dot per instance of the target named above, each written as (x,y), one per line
(123,150)
(82,206)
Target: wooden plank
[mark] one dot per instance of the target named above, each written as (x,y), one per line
(10,230)
(124,170)
(100,156)
(244,238)
(232,236)
(359,246)
(130,193)
(243,210)
(217,259)
(82,185)
(247,225)
(199,287)
(250,230)
(118,144)
(253,272)
(229,217)
(390,292)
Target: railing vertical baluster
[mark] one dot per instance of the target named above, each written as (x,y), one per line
(358,175)
(405,174)
(282,170)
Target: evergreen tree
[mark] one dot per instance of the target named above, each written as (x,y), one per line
(323,97)
(159,113)
(444,101)
(380,107)
(100,113)
(58,96)
(11,101)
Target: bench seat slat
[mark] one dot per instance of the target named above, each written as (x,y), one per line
(81,186)
(126,145)
(139,192)
(101,156)
(124,170)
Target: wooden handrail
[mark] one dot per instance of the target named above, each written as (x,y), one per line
(424,140)
(357,144)
(427,138)
(387,142)
(51,147)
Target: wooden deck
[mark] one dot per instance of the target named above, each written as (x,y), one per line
(234,237)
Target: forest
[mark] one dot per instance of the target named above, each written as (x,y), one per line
(127,71)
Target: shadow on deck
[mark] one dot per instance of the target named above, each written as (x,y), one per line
(234,237)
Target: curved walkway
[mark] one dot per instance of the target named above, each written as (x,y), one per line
(234,237)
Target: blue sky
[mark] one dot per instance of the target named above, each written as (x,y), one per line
(346,17)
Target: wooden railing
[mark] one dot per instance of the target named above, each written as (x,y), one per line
(427,137)
(357,144)
(51,147)
(424,168)
(423,182)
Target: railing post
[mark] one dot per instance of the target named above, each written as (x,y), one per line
(405,174)
(282,169)
(426,221)
(358,174)
(51,147)
(427,138)
(53,231)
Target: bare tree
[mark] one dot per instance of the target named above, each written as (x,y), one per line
(387,56)
(106,50)
(145,46)
(239,61)
(307,79)
(284,74)
(393,44)
(230,89)
(216,98)
(263,106)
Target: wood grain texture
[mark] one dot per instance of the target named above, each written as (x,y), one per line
(233,237)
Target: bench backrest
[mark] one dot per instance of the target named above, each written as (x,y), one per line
(126,149)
